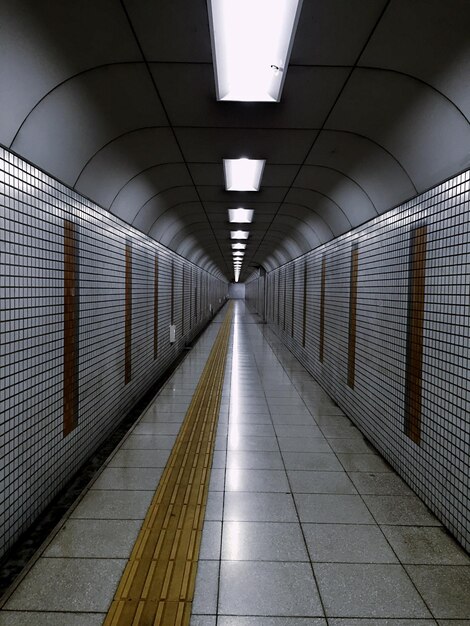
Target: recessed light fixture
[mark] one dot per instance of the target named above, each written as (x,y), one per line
(243,174)
(239,234)
(236,275)
(238,246)
(238,254)
(240,216)
(251,44)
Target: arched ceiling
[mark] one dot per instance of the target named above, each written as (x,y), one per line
(117,100)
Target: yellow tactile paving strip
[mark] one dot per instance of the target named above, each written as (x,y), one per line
(157,586)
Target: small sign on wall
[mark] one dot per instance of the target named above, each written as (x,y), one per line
(172,333)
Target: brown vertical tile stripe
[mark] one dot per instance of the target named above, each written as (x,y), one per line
(190,298)
(293,301)
(304,308)
(414,335)
(155,309)
(322,308)
(183,301)
(128,316)
(157,585)
(172,293)
(285,300)
(352,314)
(71,321)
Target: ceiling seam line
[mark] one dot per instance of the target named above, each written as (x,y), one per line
(326,119)
(134,33)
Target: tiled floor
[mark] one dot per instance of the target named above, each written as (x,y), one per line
(305,524)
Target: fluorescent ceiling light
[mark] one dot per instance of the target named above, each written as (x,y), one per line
(237,275)
(240,216)
(243,174)
(238,254)
(251,44)
(238,246)
(239,234)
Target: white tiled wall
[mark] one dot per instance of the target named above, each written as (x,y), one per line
(438,469)
(36,461)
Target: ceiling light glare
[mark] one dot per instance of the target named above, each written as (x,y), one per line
(238,246)
(251,45)
(243,174)
(239,234)
(237,275)
(238,254)
(240,216)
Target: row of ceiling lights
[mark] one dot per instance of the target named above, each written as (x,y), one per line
(251,44)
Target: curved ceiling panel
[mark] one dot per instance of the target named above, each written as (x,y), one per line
(148,213)
(42,44)
(365,162)
(119,162)
(117,100)
(423,39)
(81,115)
(425,132)
(345,193)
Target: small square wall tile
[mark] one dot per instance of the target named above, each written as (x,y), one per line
(368,591)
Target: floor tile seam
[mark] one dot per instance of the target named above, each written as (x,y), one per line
(322,604)
(228,372)
(374,518)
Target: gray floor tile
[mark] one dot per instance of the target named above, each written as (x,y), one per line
(68,585)
(347,543)
(217,479)
(363,463)
(139,458)
(311,461)
(263,541)
(343,431)
(304,444)
(203,620)
(382,483)
(259,507)
(256,480)
(271,621)
(247,459)
(445,588)
(381,622)
(425,546)
(364,590)
(214,507)
(249,418)
(454,622)
(298,430)
(205,592)
(113,505)
(149,442)
(252,430)
(95,539)
(132,478)
(26,618)
(400,510)
(268,589)
(218,460)
(332,509)
(268,444)
(320,482)
(211,540)
(305,419)
(355,445)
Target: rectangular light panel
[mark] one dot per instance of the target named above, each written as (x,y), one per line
(243,174)
(240,216)
(239,234)
(238,246)
(251,44)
